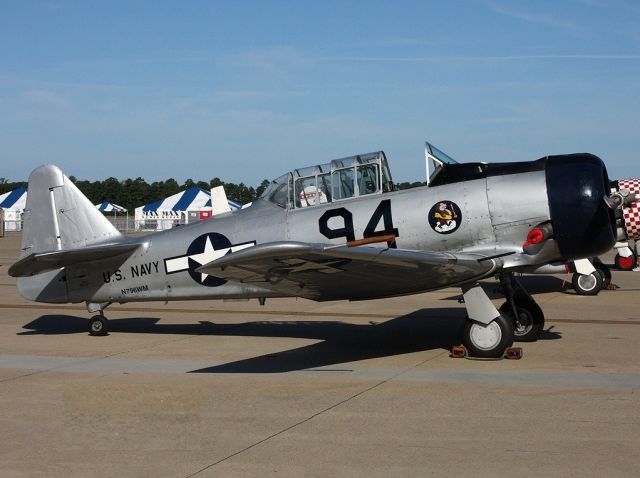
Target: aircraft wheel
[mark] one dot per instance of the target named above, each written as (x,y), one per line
(589,284)
(625,263)
(605,272)
(488,341)
(98,325)
(530,320)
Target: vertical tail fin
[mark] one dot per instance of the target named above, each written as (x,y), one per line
(58,216)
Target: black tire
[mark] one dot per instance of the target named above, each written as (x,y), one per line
(605,272)
(488,341)
(98,326)
(530,321)
(625,263)
(587,284)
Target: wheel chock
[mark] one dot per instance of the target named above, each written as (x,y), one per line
(513,353)
(459,351)
(612,286)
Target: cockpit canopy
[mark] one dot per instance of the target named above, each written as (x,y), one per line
(437,161)
(340,179)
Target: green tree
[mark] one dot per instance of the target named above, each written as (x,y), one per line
(188,184)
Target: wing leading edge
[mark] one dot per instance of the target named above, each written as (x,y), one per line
(328,272)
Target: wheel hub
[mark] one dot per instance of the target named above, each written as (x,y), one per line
(523,322)
(485,337)
(587,282)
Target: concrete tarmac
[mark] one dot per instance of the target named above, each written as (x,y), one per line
(303,389)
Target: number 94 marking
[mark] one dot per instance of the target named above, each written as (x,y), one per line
(382,213)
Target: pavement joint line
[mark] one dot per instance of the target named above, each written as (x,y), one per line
(97,359)
(58,367)
(115,354)
(317,414)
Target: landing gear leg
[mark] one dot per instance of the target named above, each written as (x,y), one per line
(486,333)
(604,271)
(523,311)
(98,324)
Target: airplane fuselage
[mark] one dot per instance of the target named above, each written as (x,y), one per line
(476,216)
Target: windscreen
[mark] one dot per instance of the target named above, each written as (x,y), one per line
(436,161)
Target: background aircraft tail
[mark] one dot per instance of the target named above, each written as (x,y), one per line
(57,217)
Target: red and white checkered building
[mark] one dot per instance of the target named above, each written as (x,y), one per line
(632,213)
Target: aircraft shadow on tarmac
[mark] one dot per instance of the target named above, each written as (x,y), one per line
(534,284)
(340,342)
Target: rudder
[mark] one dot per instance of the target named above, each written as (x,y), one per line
(58,216)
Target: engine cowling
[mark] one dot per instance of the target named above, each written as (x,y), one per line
(577,185)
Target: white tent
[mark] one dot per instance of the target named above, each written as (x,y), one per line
(174,210)
(13,204)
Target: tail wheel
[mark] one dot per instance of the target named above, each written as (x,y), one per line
(530,321)
(488,341)
(625,263)
(588,284)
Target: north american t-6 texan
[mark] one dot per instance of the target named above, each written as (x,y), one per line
(336,231)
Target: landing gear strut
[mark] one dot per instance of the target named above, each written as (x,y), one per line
(487,333)
(526,315)
(98,324)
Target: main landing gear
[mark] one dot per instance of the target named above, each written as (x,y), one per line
(525,314)
(489,332)
(594,282)
(98,324)
(487,340)
(625,263)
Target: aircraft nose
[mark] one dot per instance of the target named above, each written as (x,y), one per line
(577,186)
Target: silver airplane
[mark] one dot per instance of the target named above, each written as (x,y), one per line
(335,231)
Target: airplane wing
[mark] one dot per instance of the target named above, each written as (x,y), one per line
(328,272)
(47,261)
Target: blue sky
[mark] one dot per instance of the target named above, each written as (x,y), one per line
(246,90)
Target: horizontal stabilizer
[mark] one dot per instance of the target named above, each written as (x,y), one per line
(46,261)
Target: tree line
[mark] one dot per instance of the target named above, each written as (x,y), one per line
(132,193)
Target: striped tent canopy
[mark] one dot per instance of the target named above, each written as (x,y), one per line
(192,199)
(174,210)
(15,200)
(107,206)
(13,203)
